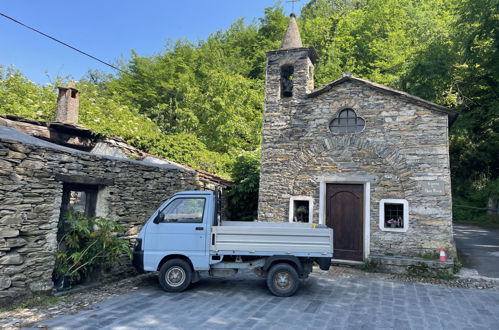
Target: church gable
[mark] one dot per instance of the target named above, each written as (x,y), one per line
(389,92)
(355,108)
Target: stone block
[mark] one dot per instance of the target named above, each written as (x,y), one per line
(23,207)
(32,164)
(11,219)
(7,294)
(8,232)
(48,226)
(11,259)
(16,155)
(13,269)
(19,147)
(5,282)
(41,286)
(5,165)
(18,277)
(18,284)
(15,242)
(10,187)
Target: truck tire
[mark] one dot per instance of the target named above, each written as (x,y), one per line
(175,275)
(283,280)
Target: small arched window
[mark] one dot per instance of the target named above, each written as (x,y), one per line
(346,122)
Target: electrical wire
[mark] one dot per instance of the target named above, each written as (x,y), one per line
(61,42)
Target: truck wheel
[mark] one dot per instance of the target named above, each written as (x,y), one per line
(283,280)
(175,275)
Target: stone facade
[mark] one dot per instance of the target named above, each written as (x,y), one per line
(32,175)
(402,150)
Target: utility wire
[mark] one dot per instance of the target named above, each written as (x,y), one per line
(61,42)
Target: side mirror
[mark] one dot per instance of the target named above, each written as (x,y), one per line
(159,218)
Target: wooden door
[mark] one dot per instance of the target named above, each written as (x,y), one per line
(344,213)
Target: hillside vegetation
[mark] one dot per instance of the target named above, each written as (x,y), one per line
(201,104)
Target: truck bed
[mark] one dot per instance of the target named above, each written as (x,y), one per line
(270,238)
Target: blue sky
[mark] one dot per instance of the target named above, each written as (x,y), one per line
(109,29)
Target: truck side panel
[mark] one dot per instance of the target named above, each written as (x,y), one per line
(260,239)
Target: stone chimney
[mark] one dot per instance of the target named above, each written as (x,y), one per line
(68,104)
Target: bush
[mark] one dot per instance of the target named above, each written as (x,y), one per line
(87,244)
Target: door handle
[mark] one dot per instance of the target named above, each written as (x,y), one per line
(199,228)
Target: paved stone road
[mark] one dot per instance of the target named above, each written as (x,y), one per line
(323,302)
(479,247)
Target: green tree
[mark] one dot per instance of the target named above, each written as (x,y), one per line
(460,68)
(243,195)
(475,140)
(22,97)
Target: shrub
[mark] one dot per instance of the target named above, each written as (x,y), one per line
(87,244)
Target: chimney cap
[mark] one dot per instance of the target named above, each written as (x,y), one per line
(70,86)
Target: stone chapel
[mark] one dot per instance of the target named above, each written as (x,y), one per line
(368,161)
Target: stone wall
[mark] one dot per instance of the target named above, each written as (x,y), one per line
(32,173)
(411,266)
(403,145)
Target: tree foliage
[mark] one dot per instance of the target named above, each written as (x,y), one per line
(201,104)
(22,97)
(243,197)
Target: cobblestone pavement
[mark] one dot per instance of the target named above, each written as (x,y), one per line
(323,302)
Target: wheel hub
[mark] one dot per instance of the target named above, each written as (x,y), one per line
(175,276)
(283,280)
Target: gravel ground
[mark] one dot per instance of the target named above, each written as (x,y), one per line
(79,301)
(465,279)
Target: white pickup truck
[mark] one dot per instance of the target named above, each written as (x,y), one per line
(185,238)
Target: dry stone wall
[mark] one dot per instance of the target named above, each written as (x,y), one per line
(31,187)
(402,146)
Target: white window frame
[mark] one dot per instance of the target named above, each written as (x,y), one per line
(310,201)
(382,203)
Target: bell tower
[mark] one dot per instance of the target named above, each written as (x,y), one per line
(289,79)
(290,70)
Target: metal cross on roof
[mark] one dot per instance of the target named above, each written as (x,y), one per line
(293,4)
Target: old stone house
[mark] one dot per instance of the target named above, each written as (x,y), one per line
(368,161)
(47,167)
